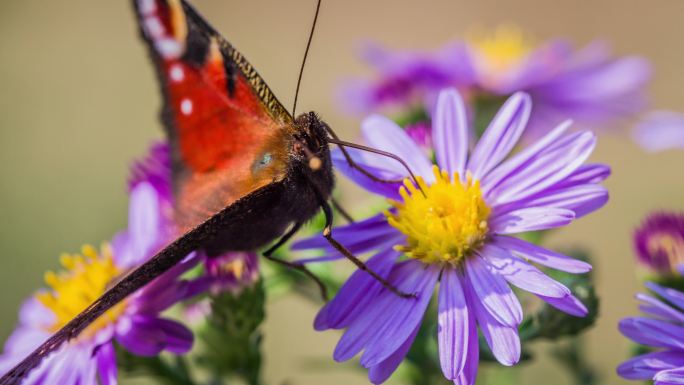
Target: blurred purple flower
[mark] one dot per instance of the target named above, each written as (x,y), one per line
(588,85)
(407,76)
(662,328)
(155,169)
(136,323)
(659,242)
(459,230)
(660,130)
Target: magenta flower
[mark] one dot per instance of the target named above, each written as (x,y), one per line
(659,242)
(588,85)
(662,329)
(457,229)
(136,323)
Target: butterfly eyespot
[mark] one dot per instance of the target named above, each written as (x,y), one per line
(266,159)
(262,162)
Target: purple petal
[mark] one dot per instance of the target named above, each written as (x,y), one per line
(140,336)
(653,332)
(321,259)
(582,200)
(587,174)
(670,377)
(568,304)
(106,364)
(540,255)
(658,308)
(359,237)
(391,319)
(502,340)
(659,131)
(469,373)
(513,165)
(382,133)
(595,87)
(453,327)
(501,135)
(73,365)
(357,293)
(530,219)
(388,190)
(35,314)
(362,330)
(157,298)
(549,167)
(676,297)
(179,338)
(406,315)
(144,223)
(381,372)
(645,366)
(520,273)
(494,293)
(450,132)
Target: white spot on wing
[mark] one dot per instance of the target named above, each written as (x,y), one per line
(147,7)
(186,106)
(168,48)
(176,73)
(154,27)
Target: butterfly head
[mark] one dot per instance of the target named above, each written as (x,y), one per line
(311,151)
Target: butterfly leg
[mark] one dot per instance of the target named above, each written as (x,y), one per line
(327,233)
(268,254)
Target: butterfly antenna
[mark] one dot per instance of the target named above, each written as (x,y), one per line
(306,53)
(342,144)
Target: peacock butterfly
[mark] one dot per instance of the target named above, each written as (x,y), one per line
(244,170)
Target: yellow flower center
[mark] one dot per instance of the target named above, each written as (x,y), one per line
(444,222)
(88,275)
(504,49)
(669,245)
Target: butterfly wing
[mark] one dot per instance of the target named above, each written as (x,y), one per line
(229,134)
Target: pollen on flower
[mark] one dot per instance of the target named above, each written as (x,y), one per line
(85,278)
(504,49)
(443,223)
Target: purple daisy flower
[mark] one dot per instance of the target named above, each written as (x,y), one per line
(662,328)
(588,85)
(659,242)
(660,131)
(456,227)
(136,323)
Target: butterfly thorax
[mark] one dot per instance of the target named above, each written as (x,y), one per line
(263,215)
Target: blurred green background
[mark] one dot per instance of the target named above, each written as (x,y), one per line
(78,101)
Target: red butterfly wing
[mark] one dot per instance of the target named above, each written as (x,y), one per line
(229,134)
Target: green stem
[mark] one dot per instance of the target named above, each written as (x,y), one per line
(572,357)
